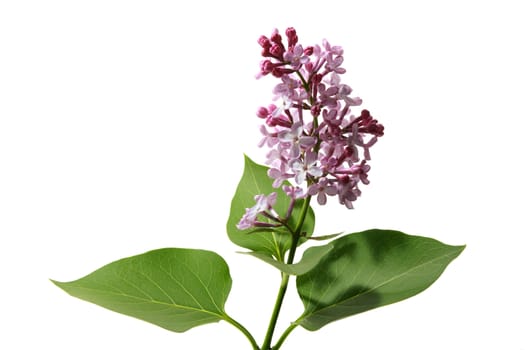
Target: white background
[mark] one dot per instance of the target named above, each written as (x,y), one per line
(123,126)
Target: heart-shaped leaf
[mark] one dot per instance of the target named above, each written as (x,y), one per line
(310,259)
(271,241)
(176,289)
(367,270)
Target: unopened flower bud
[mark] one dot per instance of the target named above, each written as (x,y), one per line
(262,112)
(309,50)
(292,37)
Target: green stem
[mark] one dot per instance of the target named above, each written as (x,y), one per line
(296,235)
(243,330)
(283,337)
(303,81)
(302,217)
(278,302)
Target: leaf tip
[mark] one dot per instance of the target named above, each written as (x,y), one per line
(461,248)
(57,283)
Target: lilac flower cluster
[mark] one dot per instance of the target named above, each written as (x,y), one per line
(312,134)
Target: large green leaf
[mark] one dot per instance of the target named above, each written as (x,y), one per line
(255,181)
(369,269)
(176,289)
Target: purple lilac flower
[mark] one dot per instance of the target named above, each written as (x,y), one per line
(307,166)
(263,204)
(296,140)
(296,57)
(279,174)
(313,135)
(321,189)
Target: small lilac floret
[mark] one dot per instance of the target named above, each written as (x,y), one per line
(302,168)
(287,88)
(279,175)
(262,204)
(296,140)
(294,192)
(269,138)
(296,58)
(323,188)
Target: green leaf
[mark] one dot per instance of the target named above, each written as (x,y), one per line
(255,181)
(367,270)
(325,237)
(176,289)
(310,259)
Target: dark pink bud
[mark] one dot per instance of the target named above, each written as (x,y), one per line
(278,72)
(370,125)
(316,110)
(309,50)
(277,50)
(344,180)
(264,41)
(279,120)
(378,130)
(265,53)
(309,67)
(349,152)
(266,67)
(367,124)
(271,121)
(316,79)
(262,112)
(276,37)
(291,35)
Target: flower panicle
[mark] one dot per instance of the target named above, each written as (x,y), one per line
(314,138)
